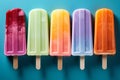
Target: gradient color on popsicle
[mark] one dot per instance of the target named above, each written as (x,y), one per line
(104,41)
(82,43)
(60,33)
(15,34)
(38,41)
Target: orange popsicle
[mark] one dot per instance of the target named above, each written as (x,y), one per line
(60,35)
(104,40)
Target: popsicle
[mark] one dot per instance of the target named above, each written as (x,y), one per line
(60,35)
(104,40)
(15,35)
(38,39)
(82,44)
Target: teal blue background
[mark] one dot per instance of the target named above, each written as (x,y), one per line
(49,69)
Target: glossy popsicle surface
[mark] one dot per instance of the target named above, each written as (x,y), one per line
(15,34)
(38,41)
(60,33)
(104,41)
(82,43)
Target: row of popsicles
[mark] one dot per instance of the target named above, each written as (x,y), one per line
(61,42)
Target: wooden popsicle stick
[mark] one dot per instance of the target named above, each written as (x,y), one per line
(59,63)
(15,62)
(82,62)
(104,62)
(38,62)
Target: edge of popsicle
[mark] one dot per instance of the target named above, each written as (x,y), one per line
(59,10)
(37,9)
(87,10)
(103,9)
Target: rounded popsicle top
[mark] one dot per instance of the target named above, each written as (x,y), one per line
(37,9)
(14,13)
(102,9)
(15,9)
(83,9)
(59,10)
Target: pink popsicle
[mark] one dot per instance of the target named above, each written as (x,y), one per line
(15,34)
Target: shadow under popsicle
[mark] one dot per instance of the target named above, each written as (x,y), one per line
(26,62)
(72,64)
(114,61)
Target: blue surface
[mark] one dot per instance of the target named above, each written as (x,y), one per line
(71,69)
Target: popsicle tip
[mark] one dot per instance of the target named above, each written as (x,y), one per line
(81,10)
(9,11)
(106,9)
(13,10)
(87,10)
(16,9)
(37,9)
(58,10)
(102,9)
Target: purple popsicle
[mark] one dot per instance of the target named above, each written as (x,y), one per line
(82,44)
